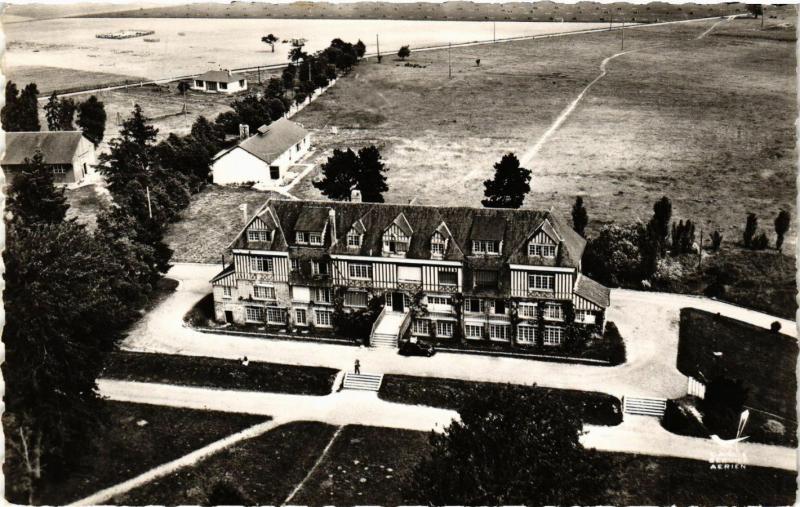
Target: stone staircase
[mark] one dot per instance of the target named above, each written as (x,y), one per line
(653,407)
(362,381)
(386,331)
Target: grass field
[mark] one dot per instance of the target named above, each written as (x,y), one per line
(85,203)
(219,373)
(685,119)
(137,438)
(372,466)
(49,79)
(215,216)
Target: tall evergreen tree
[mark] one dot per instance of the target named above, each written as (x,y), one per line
(33,197)
(21,110)
(510,184)
(59,113)
(580,218)
(660,223)
(338,175)
(371,175)
(750,228)
(782,222)
(92,119)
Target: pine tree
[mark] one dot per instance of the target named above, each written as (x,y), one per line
(92,119)
(750,227)
(510,184)
(33,198)
(580,218)
(782,222)
(59,113)
(660,223)
(371,174)
(21,110)
(338,175)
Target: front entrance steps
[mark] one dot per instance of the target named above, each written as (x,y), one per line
(362,381)
(653,407)
(386,331)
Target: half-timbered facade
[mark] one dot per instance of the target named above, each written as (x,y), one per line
(496,275)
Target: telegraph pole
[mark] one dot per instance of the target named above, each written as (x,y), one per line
(494,30)
(378,45)
(449,62)
(623,34)
(149,206)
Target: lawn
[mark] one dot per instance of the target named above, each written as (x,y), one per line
(49,79)
(765,362)
(266,469)
(212,221)
(85,203)
(372,466)
(219,373)
(594,408)
(135,439)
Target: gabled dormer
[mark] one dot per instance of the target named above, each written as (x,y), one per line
(486,235)
(544,242)
(440,240)
(311,226)
(355,236)
(397,237)
(260,230)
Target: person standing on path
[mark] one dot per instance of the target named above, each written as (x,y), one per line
(357,367)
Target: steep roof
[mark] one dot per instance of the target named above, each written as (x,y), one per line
(56,147)
(516,226)
(220,76)
(593,291)
(271,142)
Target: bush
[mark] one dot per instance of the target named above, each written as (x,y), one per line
(775,327)
(610,347)
(678,419)
(201,313)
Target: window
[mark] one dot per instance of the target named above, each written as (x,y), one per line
(241,83)
(444,328)
(472,305)
(226,292)
(361,271)
(301,238)
(448,278)
(553,335)
(393,246)
(526,334)
(498,332)
(357,299)
(323,317)
(274,172)
(198,83)
(324,295)
(295,264)
(486,279)
(300,317)
(499,307)
(263,292)
(542,249)
(315,238)
(353,240)
(59,170)
(527,310)
(319,268)
(473,332)
(254,313)
(541,282)
(585,317)
(276,315)
(485,247)
(439,300)
(260,263)
(553,311)
(223,86)
(438,245)
(420,326)
(259,235)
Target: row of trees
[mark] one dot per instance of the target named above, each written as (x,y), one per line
(71,292)
(21,113)
(755,240)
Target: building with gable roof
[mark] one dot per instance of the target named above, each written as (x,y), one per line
(264,157)
(219,81)
(491,275)
(68,154)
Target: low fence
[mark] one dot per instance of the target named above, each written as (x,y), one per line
(695,388)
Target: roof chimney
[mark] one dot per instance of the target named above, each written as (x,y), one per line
(243,207)
(332,220)
(355,195)
(244,131)
(229,72)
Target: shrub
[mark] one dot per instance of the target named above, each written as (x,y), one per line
(201,313)
(716,241)
(678,419)
(775,327)
(760,242)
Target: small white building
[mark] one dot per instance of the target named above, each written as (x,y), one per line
(220,81)
(264,157)
(67,153)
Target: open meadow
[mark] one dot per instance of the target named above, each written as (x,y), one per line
(680,116)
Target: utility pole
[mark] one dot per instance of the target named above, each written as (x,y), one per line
(449,62)
(623,34)
(149,206)
(378,45)
(494,31)
(700,250)
(763,12)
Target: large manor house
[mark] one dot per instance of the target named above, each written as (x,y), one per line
(445,273)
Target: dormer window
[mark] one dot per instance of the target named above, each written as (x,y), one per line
(541,249)
(438,245)
(315,238)
(308,238)
(485,247)
(397,237)
(259,235)
(301,238)
(353,239)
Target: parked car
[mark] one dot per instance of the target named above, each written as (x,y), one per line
(415,348)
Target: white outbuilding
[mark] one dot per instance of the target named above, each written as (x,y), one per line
(263,158)
(220,81)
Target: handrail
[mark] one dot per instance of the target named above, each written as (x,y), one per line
(404,326)
(375,324)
